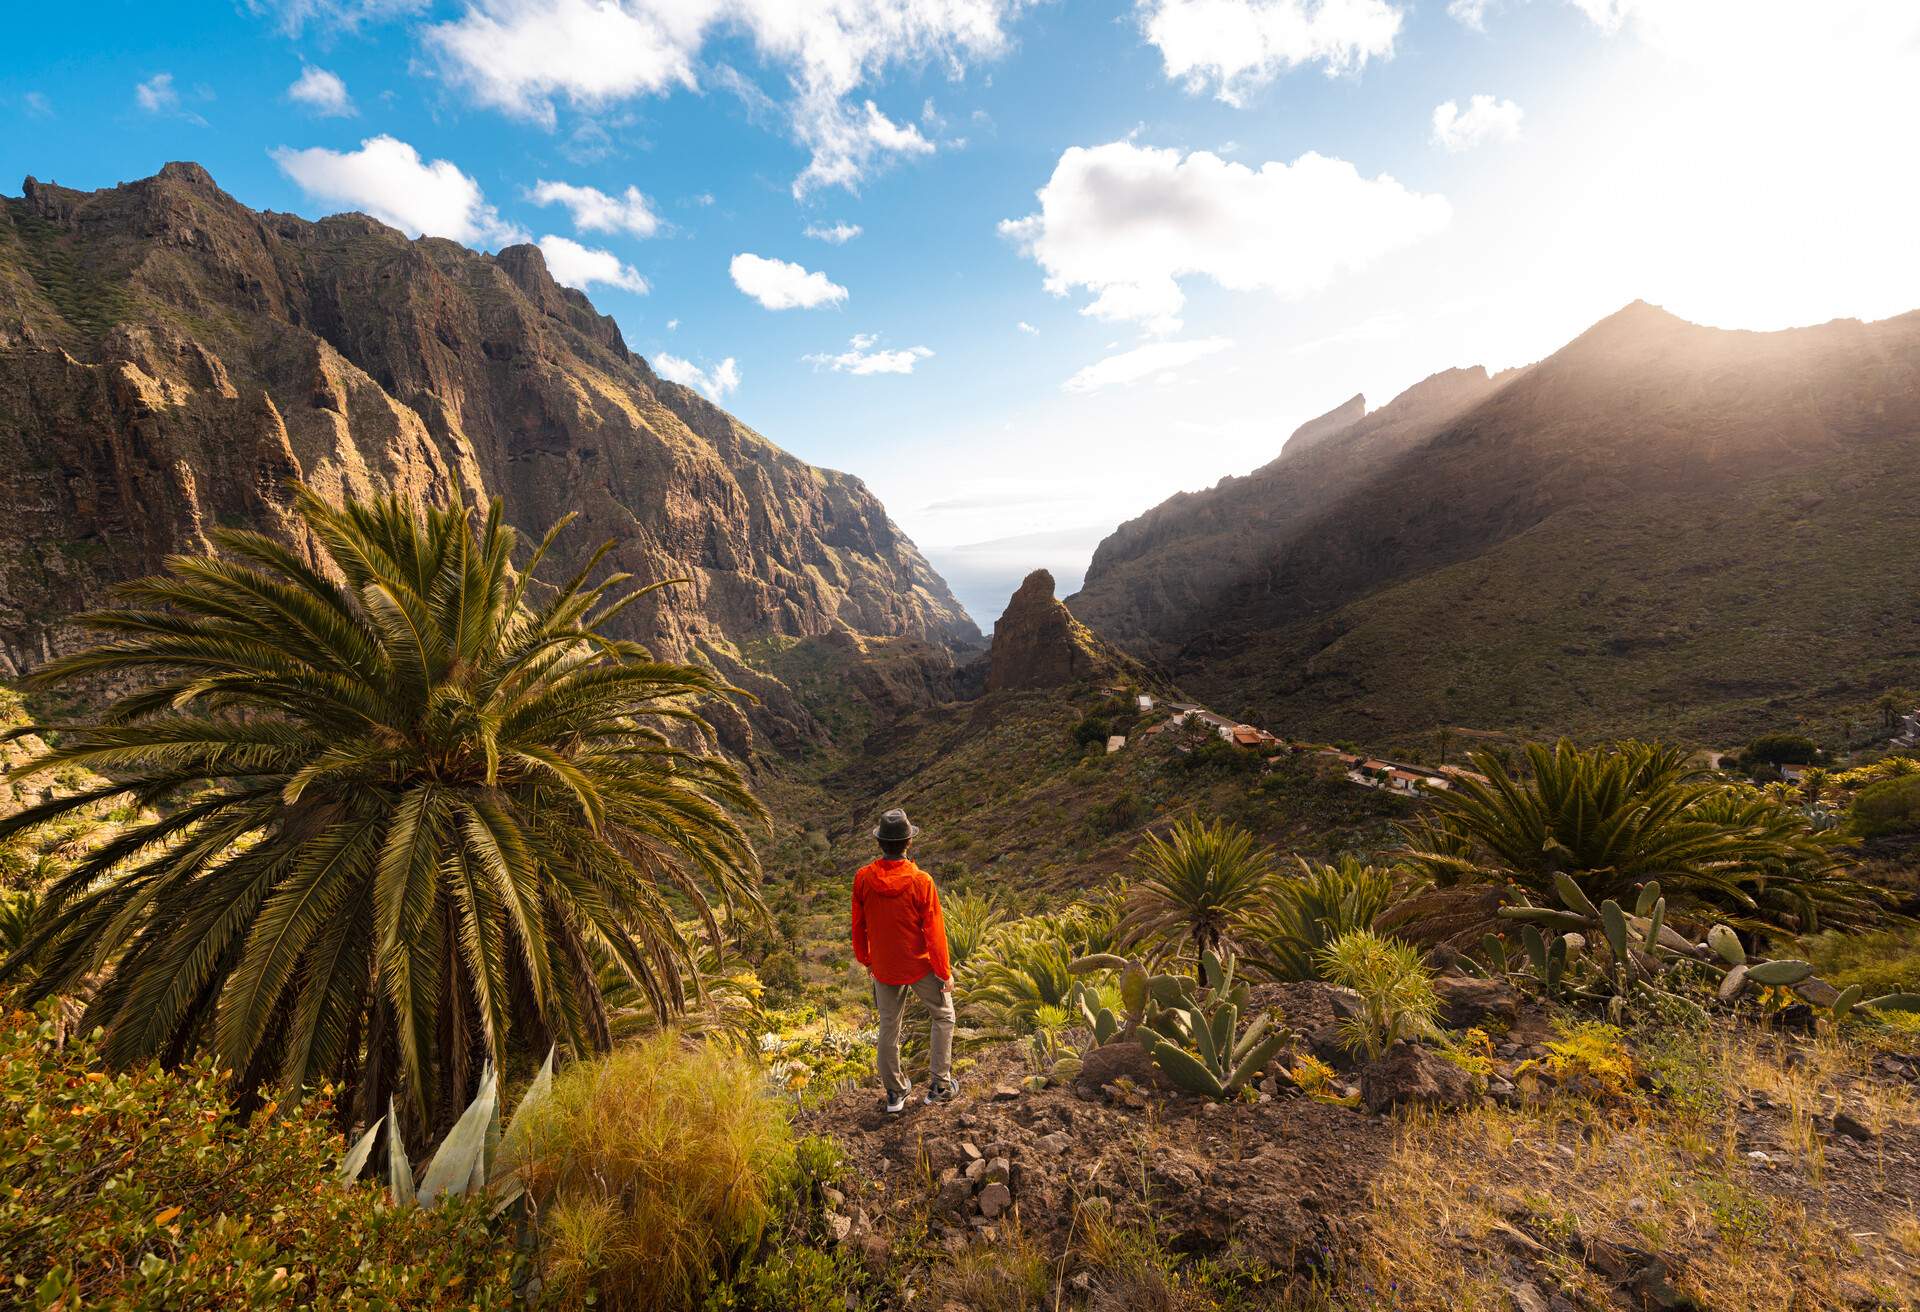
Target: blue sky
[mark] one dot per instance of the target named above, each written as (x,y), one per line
(1214,218)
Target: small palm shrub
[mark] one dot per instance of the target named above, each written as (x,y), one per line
(143,1189)
(1195,885)
(1397,1000)
(1025,966)
(651,1172)
(1616,818)
(1302,914)
(970,917)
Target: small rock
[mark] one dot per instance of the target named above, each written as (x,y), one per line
(1466,1002)
(1526,1298)
(834,1197)
(1057,1142)
(1852,1127)
(1410,1074)
(953,1195)
(1006,1093)
(999,1171)
(1759,1158)
(969,1152)
(838,1226)
(976,1170)
(994,1199)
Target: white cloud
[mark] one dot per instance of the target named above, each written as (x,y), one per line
(1126,222)
(159,96)
(37,105)
(524,56)
(322,92)
(780,285)
(1160,360)
(1027,328)
(387,179)
(1484,119)
(672,324)
(715,383)
(518,55)
(1234,46)
(1470,13)
(861,358)
(348,14)
(574,265)
(838,235)
(594,210)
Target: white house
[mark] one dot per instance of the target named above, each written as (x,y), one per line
(1115,743)
(1144,701)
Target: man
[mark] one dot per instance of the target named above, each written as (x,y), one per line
(899,936)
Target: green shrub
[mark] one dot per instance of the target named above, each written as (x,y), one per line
(969,918)
(1891,806)
(1303,914)
(144,1189)
(1780,749)
(1091,729)
(1397,1000)
(1884,961)
(653,1172)
(781,975)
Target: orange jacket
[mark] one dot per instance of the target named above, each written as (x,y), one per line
(898,932)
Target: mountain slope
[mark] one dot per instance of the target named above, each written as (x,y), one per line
(169,359)
(1661,528)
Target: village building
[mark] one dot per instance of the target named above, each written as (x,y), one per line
(1144,701)
(1115,743)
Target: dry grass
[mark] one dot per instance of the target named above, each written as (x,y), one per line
(1471,1202)
(653,1170)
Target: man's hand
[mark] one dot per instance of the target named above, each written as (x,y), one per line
(946,986)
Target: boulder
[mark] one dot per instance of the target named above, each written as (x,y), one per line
(994,1199)
(1103,1065)
(1408,1074)
(1467,1003)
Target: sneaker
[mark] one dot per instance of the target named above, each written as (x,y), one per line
(896,1102)
(943,1090)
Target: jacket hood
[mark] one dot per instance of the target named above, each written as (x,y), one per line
(892,878)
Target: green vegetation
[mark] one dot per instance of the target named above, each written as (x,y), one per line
(1289,934)
(143,1189)
(1195,884)
(405,808)
(1890,806)
(1614,818)
(1780,749)
(1397,1000)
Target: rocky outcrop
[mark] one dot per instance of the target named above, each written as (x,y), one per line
(170,359)
(1335,421)
(1039,644)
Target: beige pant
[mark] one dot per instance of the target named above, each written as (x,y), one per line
(890,1000)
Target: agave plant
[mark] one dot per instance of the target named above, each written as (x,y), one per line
(970,918)
(400,809)
(1195,885)
(1615,818)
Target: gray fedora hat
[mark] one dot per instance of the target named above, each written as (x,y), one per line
(894,827)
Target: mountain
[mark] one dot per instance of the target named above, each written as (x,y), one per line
(1660,529)
(1037,643)
(1156,576)
(169,359)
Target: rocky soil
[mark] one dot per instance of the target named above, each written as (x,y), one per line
(1303,1185)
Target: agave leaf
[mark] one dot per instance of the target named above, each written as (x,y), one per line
(356,1159)
(464,1147)
(399,1169)
(513,1142)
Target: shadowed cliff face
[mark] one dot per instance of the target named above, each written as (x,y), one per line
(1660,529)
(1038,643)
(170,359)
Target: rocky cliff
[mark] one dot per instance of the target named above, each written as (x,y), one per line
(1660,529)
(169,359)
(1037,643)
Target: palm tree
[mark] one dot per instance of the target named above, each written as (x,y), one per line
(399,812)
(1615,818)
(1196,884)
(1300,914)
